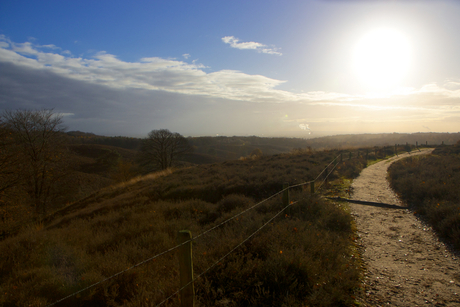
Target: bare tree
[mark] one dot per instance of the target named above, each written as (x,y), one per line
(39,150)
(9,176)
(161,148)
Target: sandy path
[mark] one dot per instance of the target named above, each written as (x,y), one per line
(405,263)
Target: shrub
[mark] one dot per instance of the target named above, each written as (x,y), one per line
(304,256)
(232,202)
(430,185)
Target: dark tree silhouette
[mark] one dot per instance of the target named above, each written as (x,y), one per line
(161,148)
(9,175)
(36,139)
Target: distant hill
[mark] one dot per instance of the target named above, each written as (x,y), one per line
(92,167)
(382,139)
(221,148)
(78,137)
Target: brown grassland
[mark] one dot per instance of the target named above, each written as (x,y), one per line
(430,184)
(305,256)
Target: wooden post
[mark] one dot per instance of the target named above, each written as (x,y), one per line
(187,295)
(286,197)
(426,143)
(312,187)
(416,143)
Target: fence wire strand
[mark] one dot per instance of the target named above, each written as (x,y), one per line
(326,168)
(239,214)
(167,251)
(119,273)
(226,255)
(202,234)
(327,176)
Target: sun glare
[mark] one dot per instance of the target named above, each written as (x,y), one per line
(382,58)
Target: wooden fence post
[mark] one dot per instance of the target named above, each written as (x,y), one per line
(187,295)
(312,187)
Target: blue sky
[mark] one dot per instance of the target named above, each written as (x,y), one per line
(267,68)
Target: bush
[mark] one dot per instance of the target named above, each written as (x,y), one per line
(430,185)
(303,257)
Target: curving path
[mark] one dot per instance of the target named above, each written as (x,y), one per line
(406,265)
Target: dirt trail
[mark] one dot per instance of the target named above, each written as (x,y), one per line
(406,265)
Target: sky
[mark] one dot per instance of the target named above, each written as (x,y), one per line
(297,68)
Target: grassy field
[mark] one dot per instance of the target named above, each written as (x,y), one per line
(430,184)
(305,256)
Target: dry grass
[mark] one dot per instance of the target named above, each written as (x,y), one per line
(304,257)
(430,184)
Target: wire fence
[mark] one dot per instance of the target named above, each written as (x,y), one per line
(328,170)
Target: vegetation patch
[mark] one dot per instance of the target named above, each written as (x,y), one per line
(430,185)
(303,257)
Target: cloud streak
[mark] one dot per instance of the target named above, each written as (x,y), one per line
(158,74)
(170,75)
(104,91)
(261,48)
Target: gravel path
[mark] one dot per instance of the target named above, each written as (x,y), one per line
(406,265)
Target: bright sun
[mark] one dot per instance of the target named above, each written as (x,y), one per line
(382,58)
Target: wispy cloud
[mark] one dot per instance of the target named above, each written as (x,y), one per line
(175,76)
(186,55)
(450,89)
(261,48)
(154,73)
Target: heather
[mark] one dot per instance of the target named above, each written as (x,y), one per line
(304,256)
(430,185)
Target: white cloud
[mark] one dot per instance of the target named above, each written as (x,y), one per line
(153,73)
(174,76)
(50,46)
(450,89)
(25,48)
(186,55)
(261,48)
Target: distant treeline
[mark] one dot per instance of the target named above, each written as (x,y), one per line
(382,139)
(221,148)
(78,137)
